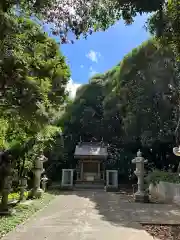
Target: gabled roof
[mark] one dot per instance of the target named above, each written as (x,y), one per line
(91,149)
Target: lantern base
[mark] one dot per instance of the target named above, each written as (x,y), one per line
(35,193)
(141,197)
(7,211)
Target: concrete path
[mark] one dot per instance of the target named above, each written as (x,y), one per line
(93,215)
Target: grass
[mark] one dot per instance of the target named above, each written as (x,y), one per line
(23,212)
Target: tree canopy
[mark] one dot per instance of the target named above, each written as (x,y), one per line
(33,73)
(129,103)
(82,16)
(132,105)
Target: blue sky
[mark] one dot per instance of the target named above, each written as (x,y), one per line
(103,50)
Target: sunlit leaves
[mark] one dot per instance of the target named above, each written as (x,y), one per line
(32,72)
(82,17)
(144,79)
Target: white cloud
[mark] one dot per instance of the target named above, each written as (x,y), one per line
(93,56)
(81,66)
(72,88)
(92,71)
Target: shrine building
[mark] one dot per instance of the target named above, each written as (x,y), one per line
(91,157)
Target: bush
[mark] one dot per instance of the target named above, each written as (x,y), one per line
(16,195)
(156,176)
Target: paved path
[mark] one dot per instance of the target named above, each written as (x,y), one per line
(88,215)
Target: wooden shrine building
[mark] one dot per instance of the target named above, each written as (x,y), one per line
(91,157)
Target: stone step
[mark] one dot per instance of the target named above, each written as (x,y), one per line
(99,182)
(89,186)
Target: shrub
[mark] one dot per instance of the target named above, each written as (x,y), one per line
(16,195)
(156,176)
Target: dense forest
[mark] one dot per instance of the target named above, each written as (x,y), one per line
(134,105)
(34,75)
(131,106)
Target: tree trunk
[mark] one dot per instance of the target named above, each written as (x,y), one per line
(4,200)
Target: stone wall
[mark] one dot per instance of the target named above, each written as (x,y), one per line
(165,192)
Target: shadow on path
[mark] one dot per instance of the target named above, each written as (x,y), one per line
(93,215)
(119,209)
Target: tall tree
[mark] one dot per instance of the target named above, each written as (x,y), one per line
(146,101)
(33,74)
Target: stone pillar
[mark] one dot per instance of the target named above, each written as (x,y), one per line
(111,187)
(38,170)
(37,191)
(107,177)
(23,186)
(115,179)
(140,195)
(44,181)
(67,179)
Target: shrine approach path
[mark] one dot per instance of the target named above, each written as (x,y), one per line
(93,215)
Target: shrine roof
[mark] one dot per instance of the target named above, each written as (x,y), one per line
(91,149)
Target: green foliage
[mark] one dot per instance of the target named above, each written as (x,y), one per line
(168,33)
(156,176)
(146,102)
(44,139)
(85,113)
(85,17)
(3,130)
(168,28)
(128,103)
(131,106)
(16,196)
(34,74)
(32,148)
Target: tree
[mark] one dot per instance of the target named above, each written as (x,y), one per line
(130,106)
(86,112)
(33,74)
(82,16)
(146,101)
(169,29)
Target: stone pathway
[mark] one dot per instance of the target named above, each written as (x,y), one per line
(93,215)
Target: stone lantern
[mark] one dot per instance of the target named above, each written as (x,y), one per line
(4,208)
(44,181)
(23,186)
(176,151)
(140,195)
(6,165)
(38,170)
